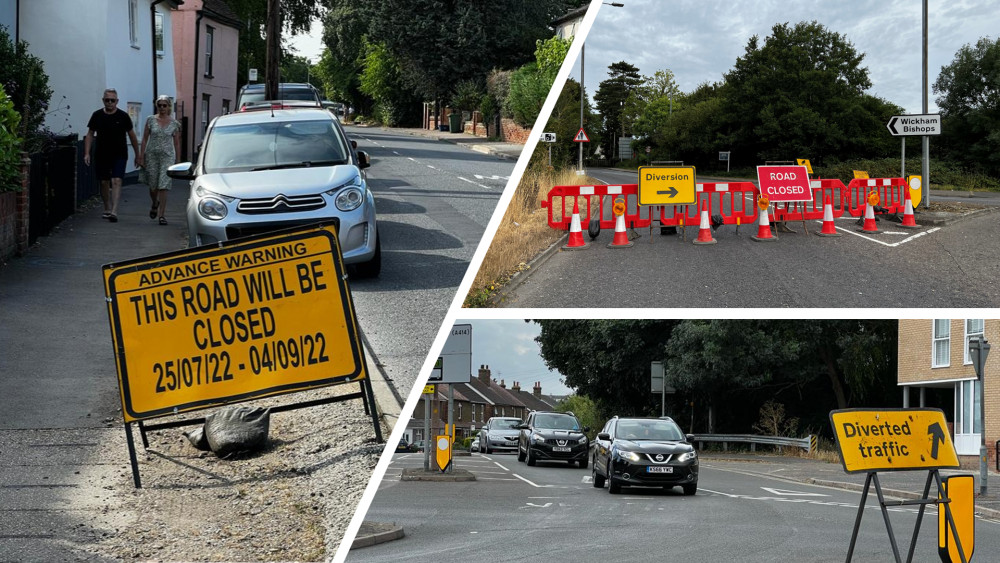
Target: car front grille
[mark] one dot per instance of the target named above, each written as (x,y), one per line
(245,230)
(281,204)
(562,442)
(664,458)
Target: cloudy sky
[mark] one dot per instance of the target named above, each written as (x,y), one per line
(699,40)
(509,348)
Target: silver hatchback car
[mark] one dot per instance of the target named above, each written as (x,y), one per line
(259,171)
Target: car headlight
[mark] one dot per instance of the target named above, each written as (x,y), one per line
(212,208)
(628,456)
(582,440)
(687,457)
(349,195)
(537,438)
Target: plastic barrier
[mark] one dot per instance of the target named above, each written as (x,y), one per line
(735,203)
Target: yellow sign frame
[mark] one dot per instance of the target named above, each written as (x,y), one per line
(872,440)
(668,189)
(250,318)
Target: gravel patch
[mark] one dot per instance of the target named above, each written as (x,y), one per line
(291,502)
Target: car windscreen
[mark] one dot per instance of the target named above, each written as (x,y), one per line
(283,94)
(661,430)
(506,423)
(556,422)
(274,144)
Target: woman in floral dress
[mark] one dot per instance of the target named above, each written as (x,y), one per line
(161,143)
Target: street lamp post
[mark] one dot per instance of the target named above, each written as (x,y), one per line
(979,350)
(582,47)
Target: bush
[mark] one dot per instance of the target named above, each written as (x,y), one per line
(23,77)
(467,96)
(10,145)
(528,88)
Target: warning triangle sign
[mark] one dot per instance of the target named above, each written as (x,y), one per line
(581,137)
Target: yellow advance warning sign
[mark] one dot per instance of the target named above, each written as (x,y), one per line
(667,185)
(893,439)
(215,325)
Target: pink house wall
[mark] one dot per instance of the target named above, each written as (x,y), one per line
(221,86)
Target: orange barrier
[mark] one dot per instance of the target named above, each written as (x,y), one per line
(891,193)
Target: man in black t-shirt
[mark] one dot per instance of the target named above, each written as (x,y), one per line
(111,125)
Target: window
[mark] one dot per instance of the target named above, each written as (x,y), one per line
(225,106)
(209,45)
(973,328)
(941,355)
(460,411)
(133,23)
(968,422)
(158,40)
(205,100)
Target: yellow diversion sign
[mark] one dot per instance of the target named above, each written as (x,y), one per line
(216,325)
(663,185)
(893,439)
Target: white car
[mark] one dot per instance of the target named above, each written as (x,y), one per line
(264,170)
(499,434)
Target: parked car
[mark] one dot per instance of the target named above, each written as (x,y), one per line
(474,445)
(254,94)
(651,452)
(265,170)
(552,436)
(402,446)
(500,434)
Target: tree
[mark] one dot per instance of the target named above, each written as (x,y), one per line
(585,410)
(23,78)
(799,94)
(610,99)
(565,122)
(607,360)
(969,98)
(295,17)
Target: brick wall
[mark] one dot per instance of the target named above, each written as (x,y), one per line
(514,133)
(915,345)
(14,217)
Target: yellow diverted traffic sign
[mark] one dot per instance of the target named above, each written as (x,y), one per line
(667,185)
(214,325)
(893,439)
(804,162)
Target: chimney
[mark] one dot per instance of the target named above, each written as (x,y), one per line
(537,391)
(484,374)
(516,388)
(502,385)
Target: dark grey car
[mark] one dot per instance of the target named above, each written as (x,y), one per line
(552,436)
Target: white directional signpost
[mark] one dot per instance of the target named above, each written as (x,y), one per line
(454,365)
(915,125)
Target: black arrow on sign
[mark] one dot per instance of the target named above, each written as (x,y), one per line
(937,435)
(892,123)
(672,191)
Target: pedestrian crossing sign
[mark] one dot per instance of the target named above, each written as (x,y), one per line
(581,137)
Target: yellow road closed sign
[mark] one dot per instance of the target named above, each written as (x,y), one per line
(893,439)
(216,325)
(667,185)
(960,489)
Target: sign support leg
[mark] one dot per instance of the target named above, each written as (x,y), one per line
(933,474)
(857,521)
(131,456)
(142,434)
(885,516)
(368,395)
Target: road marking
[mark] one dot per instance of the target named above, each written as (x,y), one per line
(471,182)
(411,158)
(500,466)
(792,493)
(546,505)
(481,478)
(431,167)
(588,479)
(805,501)
(530,483)
(493,177)
(395,153)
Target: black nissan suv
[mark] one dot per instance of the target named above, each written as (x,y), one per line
(647,452)
(552,436)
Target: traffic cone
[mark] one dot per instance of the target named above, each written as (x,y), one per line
(621,237)
(829,230)
(705,229)
(869,225)
(575,241)
(764,229)
(909,221)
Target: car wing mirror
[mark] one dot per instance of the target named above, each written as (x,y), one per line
(586,429)
(603,436)
(354,144)
(182,171)
(522,427)
(689,438)
(364,161)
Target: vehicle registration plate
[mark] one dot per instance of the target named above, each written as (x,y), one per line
(560,448)
(657,469)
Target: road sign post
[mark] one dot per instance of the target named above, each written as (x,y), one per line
(979,350)
(454,365)
(922,125)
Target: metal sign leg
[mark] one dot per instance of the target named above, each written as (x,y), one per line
(885,516)
(857,521)
(131,456)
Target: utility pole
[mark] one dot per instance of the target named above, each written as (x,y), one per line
(273,48)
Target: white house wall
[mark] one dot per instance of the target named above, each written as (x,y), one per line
(88,50)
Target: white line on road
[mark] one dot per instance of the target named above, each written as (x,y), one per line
(395,153)
(431,167)
(501,466)
(530,483)
(471,182)
(411,158)
(792,493)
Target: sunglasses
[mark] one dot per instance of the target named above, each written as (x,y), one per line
(162,105)
(110,100)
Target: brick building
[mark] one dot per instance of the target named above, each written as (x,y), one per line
(934,355)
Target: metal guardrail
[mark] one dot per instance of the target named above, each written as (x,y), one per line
(808,443)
